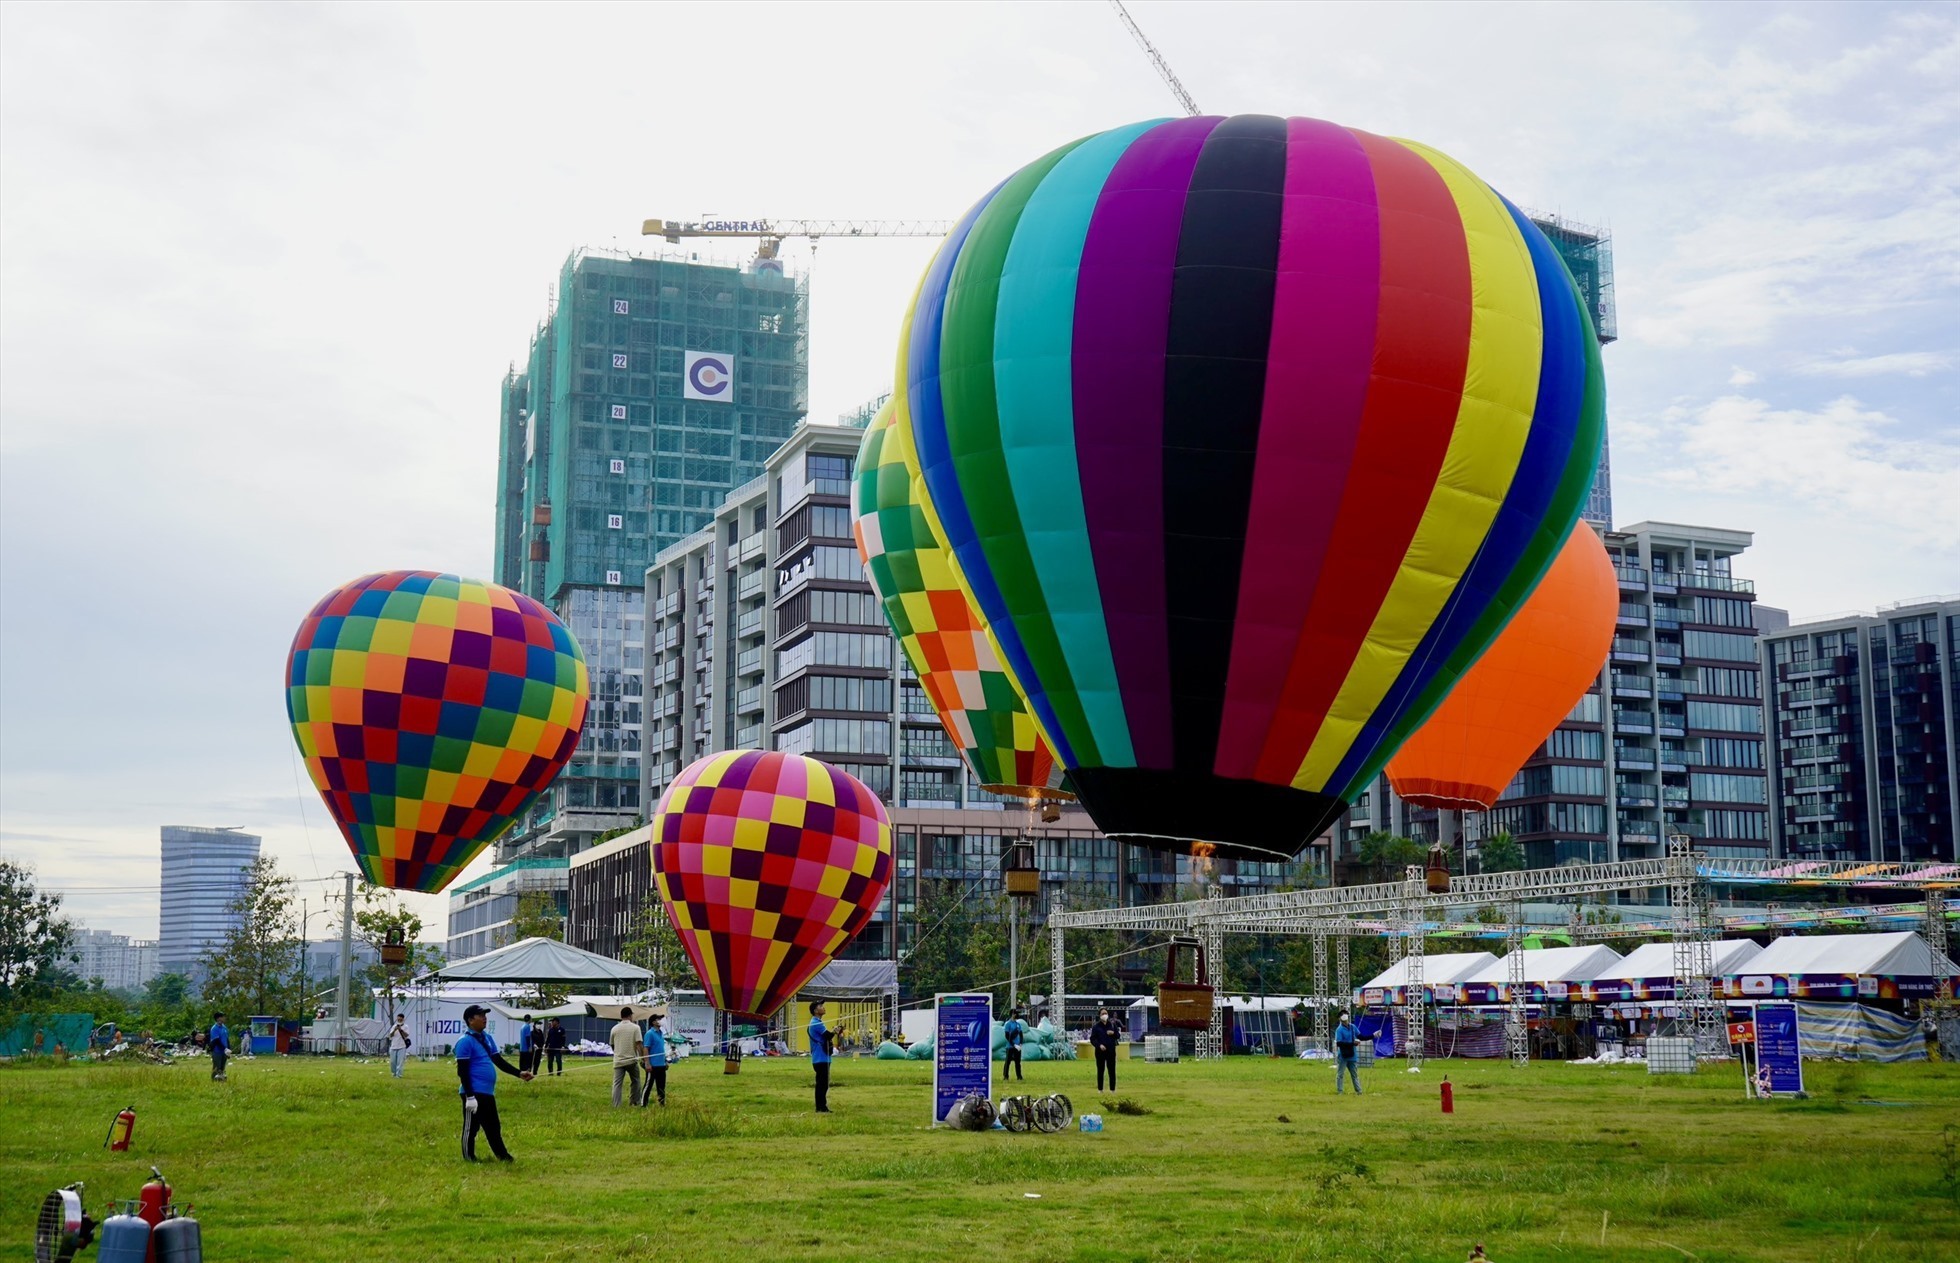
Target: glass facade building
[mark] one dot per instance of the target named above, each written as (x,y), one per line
(203,872)
(654,387)
(1862,734)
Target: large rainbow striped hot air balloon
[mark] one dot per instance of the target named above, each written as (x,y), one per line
(1247,435)
(431,710)
(943,636)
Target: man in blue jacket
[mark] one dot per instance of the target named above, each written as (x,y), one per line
(1346,1059)
(1012,1034)
(527,1053)
(219,1040)
(477,1063)
(655,1044)
(820,1037)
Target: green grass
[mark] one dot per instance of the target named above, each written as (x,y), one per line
(334,1160)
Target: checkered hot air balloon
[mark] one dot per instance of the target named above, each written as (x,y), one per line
(941,633)
(1247,436)
(431,711)
(768,864)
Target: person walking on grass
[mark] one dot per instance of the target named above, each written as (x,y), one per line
(1346,1058)
(554,1048)
(1103,1041)
(218,1040)
(626,1045)
(527,1046)
(820,1044)
(398,1042)
(655,1043)
(1012,1034)
(477,1064)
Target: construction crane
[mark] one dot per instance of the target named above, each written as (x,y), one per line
(769,234)
(1156,59)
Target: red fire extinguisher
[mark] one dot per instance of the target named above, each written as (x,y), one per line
(121,1128)
(153,1198)
(1449,1097)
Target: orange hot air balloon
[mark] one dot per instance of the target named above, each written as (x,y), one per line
(1530,678)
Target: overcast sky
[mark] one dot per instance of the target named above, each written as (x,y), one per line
(263,266)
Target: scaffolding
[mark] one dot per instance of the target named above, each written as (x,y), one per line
(1413,1008)
(1517,1030)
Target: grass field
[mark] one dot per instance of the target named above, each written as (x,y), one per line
(334,1160)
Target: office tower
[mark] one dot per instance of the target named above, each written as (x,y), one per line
(203,873)
(1862,734)
(652,388)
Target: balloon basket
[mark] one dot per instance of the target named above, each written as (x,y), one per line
(732,1064)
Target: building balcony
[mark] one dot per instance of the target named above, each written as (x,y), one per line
(1637,795)
(1632,686)
(1632,721)
(1812,727)
(752,546)
(1814,815)
(749,738)
(1631,828)
(1631,651)
(749,700)
(1632,578)
(1716,583)
(1634,760)
(1673,796)
(750,624)
(753,585)
(1634,616)
(749,663)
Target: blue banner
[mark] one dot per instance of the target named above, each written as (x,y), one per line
(1779,1060)
(962,1052)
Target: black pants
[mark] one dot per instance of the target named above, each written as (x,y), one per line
(217,1060)
(656,1085)
(554,1059)
(1012,1062)
(1105,1059)
(823,1086)
(485,1121)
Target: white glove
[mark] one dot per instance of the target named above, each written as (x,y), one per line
(469,1105)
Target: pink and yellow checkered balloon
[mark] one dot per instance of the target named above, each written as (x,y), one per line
(768,864)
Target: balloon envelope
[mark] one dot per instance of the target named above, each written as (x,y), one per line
(1247,436)
(768,864)
(1529,680)
(431,711)
(941,633)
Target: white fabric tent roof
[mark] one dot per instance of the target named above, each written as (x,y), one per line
(1439,968)
(1551,964)
(1656,960)
(1901,954)
(543,960)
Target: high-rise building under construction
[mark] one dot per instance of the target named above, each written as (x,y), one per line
(652,388)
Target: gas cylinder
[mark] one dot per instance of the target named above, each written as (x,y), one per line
(123,1239)
(179,1240)
(1449,1097)
(121,1128)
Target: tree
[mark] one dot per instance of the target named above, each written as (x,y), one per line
(36,941)
(381,914)
(653,944)
(1500,853)
(255,968)
(1385,856)
(537,916)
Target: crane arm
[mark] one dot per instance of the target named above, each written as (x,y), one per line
(1156,59)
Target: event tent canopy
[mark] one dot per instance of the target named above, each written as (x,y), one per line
(1439,968)
(1656,960)
(541,961)
(1900,955)
(1548,964)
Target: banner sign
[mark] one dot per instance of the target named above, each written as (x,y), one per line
(1779,1060)
(962,1050)
(1742,1032)
(709,376)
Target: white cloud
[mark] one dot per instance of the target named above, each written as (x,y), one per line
(1841,460)
(1740,376)
(1910,363)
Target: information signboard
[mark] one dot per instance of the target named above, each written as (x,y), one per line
(962,1050)
(1779,1058)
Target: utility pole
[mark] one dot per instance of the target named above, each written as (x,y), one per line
(346,956)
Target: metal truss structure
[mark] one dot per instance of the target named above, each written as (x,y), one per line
(1403,910)
(1517,1028)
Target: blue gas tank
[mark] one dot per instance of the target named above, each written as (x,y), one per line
(179,1240)
(123,1239)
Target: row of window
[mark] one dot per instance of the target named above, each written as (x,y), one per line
(1723,787)
(823,562)
(837,736)
(825,521)
(826,605)
(834,692)
(1538,782)
(1721,646)
(1725,716)
(1554,817)
(836,649)
(1724,611)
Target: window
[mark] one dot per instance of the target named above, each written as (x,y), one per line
(1721,646)
(1724,787)
(1731,752)
(836,649)
(1725,716)
(1565,743)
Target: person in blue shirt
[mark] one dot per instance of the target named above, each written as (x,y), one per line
(1013,1033)
(526,1054)
(820,1041)
(655,1043)
(1346,1059)
(477,1063)
(219,1041)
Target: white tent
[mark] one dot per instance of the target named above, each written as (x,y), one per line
(543,961)
(1443,967)
(1549,964)
(1900,953)
(1656,960)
